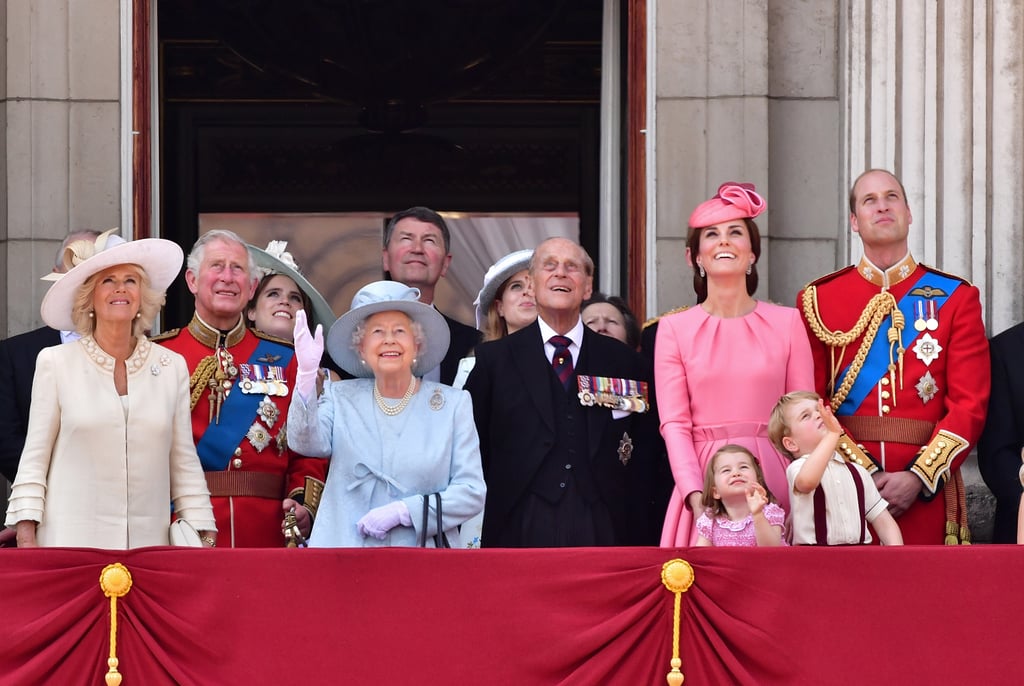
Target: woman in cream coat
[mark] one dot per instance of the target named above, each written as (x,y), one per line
(109,445)
(393,439)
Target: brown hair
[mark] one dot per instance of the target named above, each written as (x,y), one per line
(853,188)
(777,426)
(307,304)
(713,504)
(700,283)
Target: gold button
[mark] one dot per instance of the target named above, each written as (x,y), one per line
(238,452)
(885,381)
(847,451)
(942,444)
(928,462)
(886,394)
(236,463)
(885,409)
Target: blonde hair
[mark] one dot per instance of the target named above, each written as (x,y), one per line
(151,301)
(778,428)
(707,499)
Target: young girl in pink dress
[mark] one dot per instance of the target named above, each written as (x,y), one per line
(720,367)
(739,508)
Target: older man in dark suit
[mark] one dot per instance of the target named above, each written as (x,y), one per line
(558,464)
(417,252)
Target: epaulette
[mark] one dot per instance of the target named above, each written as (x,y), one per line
(828,277)
(166,335)
(655,318)
(273,339)
(955,277)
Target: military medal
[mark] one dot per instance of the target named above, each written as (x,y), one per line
(625,449)
(927,349)
(282,439)
(626,395)
(919,320)
(933,316)
(926,387)
(268,411)
(258,436)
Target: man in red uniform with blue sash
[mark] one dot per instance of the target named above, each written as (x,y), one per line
(900,351)
(241,384)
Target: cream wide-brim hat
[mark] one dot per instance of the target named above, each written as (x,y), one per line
(388,296)
(270,263)
(161,259)
(499,272)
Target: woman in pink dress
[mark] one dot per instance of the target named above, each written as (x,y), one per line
(720,366)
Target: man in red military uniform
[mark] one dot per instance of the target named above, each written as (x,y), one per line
(241,384)
(900,350)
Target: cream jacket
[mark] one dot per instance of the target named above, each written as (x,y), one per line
(95,475)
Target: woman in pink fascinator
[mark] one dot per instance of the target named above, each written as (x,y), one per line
(721,366)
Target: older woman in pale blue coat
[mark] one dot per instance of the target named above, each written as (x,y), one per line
(394,439)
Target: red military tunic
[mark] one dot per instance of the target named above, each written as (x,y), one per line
(924,415)
(261,471)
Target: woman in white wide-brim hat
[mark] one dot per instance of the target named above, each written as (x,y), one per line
(109,441)
(394,439)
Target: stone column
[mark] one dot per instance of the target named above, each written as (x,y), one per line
(61,150)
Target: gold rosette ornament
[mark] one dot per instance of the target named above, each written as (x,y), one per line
(677,576)
(116,581)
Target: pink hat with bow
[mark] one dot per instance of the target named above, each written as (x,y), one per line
(732,201)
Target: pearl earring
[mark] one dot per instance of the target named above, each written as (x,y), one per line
(91,315)
(750,268)
(700,270)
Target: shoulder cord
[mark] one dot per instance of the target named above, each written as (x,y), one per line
(878,308)
(200,379)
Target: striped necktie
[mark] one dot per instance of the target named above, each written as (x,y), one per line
(561,361)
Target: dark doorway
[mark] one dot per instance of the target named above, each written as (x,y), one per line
(349,106)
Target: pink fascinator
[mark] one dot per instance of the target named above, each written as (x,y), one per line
(732,201)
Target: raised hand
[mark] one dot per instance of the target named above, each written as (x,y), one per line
(309,349)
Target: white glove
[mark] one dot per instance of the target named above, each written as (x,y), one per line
(380,520)
(309,349)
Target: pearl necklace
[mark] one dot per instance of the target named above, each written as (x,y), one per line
(392,410)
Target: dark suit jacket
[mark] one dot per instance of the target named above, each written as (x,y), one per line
(512,404)
(1001,441)
(17,367)
(464,339)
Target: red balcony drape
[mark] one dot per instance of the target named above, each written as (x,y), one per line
(524,617)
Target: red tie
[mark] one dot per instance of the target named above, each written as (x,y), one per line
(561,361)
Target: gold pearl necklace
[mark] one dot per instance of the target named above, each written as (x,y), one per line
(392,410)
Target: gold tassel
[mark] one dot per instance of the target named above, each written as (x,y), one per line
(677,576)
(116,581)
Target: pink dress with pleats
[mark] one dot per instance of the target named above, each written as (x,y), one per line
(717,381)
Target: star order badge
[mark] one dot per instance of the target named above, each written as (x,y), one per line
(625,448)
(927,349)
(268,411)
(926,387)
(258,436)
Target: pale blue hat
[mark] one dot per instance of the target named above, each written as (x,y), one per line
(388,296)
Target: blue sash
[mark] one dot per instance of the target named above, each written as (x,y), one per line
(876,364)
(217,446)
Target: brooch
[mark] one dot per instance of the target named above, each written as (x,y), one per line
(436,400)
